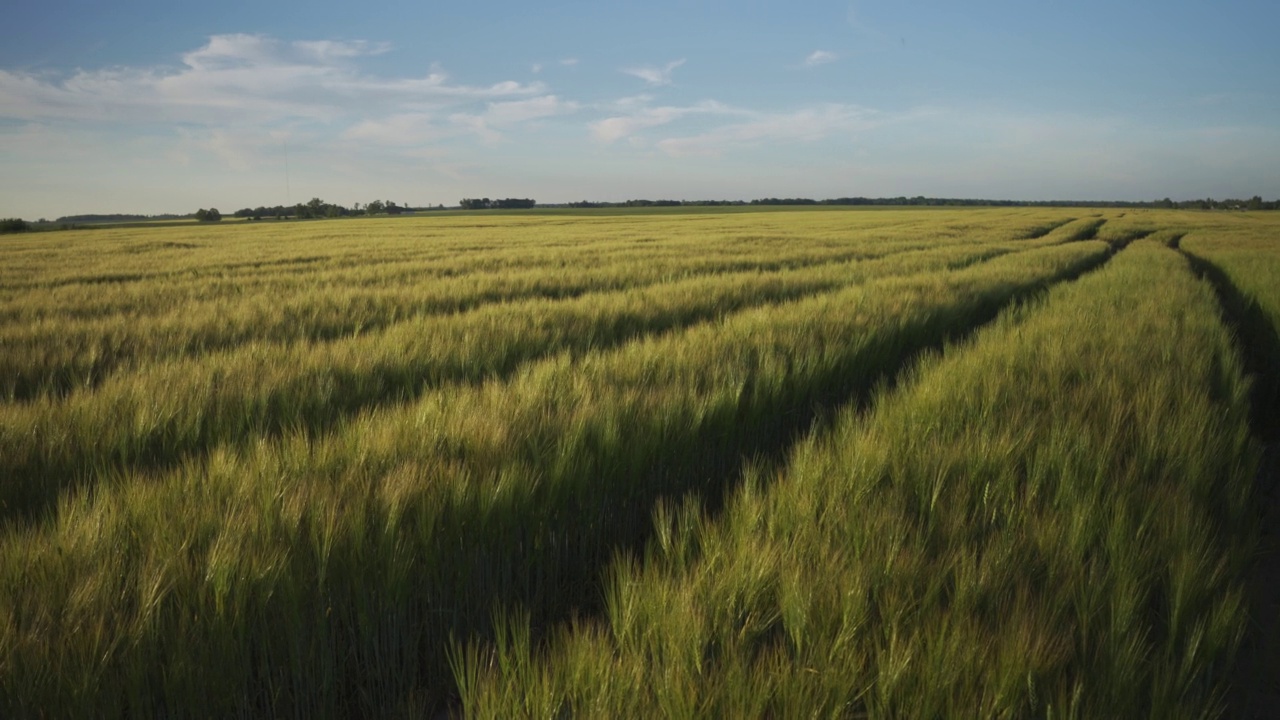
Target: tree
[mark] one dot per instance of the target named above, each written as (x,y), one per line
(14,225)
(375,207)
(487,204)
(210,215)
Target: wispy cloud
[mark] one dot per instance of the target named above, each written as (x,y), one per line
(518,111)
(499,115)
(538,67)
(244,50)
(415,129)
(242,79)
(639,117)
(729,127)
(398,130)
(655,75)
(630,103)
(806,125)
(820,57)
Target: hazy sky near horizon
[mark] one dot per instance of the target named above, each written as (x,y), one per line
(148,107)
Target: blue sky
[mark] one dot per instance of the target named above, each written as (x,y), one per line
(154,107)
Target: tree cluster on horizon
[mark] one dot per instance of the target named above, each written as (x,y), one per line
(317,208)
(1254,203)
(14,225)
(487,204)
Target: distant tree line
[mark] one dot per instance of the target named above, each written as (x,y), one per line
(487,204)
(14,225)
(1254,203)
(115,218)
(317,208)
(654,203)
(18,225)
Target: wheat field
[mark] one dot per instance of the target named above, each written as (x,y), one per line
(837,463)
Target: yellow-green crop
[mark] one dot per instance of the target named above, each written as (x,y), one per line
(379,467)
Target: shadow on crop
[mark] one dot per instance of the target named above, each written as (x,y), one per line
(1256,691)
(1258,342)
(359,622)
(315,402)
(1040,231)
(1085,230)
(545,555)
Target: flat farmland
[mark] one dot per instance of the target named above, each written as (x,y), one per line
(841,463)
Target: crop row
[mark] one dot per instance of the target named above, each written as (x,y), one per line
(1245,266)
(1051,521)
(325,573)
(57,340)
(165,411)
(355,256)
(55,354)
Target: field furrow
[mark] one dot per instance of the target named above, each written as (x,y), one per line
(56,355)
(164,412)
(63,342)
(365,549)
(355,259)
(1245,270)
(134,275)
(1244,267)
(935,462)
(1052,520)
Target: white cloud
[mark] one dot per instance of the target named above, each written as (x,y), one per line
(210,127)
(223,110)
(536,68)
(244,50)
(242,79)
(498,115)
(615,128)
(806,125)
(238,151)
(401,129)
(750,127)
(476,125)
(410,129)
(327,51)
(630,103)
(518,111)
(655,75)
(819,57)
